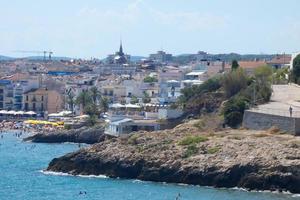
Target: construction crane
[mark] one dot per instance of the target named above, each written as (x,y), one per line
(39,52)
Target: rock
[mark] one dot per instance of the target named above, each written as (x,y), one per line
(82,135)
(158,156)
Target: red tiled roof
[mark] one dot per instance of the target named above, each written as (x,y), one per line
(281,59)
(249,64)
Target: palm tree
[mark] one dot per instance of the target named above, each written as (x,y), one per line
(71,100)
(83,99)
(95,94)
(104,104)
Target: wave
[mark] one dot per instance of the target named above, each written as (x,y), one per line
(67,174)
(266,191)
(179,184)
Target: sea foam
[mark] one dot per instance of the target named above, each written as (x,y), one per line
(67,174)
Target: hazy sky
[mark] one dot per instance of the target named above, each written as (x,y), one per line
(92,28)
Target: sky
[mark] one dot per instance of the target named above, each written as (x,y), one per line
(93,28)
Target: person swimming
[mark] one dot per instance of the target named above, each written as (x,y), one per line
(178,196)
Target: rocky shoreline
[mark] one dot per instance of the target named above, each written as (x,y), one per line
(254,160)
(82,135)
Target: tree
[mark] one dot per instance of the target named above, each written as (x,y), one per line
(134,100)
(71,100)
(83,99)
(296,70)
(104,104)
(281,76)
(146,98)
(234,82)
(234,65)
(263,82)
(150,79)
(95,94)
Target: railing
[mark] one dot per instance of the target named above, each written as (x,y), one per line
(280,112)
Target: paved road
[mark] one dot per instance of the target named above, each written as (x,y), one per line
(282,98)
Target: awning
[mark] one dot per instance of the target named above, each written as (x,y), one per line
(117,105)
(195,73)
(132,106)
(81,117)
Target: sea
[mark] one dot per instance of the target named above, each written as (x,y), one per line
(22,177)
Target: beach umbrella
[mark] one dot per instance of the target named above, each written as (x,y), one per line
(30,113)
(19,113)
(3,111)
(11,112)
(64,113)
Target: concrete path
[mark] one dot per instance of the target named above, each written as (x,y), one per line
(282,98)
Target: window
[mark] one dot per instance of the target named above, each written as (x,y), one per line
(33,107)
(42,99)
(26,97)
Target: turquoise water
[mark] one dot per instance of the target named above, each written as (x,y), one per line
(21,179)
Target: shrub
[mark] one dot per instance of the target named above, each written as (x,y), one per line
(191,150)
(189,140)
(150,79)
(213,150)
(210,85)
(234,110)
(133,139)
(234,82)
(134,100)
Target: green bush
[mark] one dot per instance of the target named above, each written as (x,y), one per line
(134,100)
(150,79)
(234,82)
(191,150)
(133,139)
(189,140)
(191,93)
(234,110)
(213,150)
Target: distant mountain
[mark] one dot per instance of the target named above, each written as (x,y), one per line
(186,58)
(42,58)
(6,58)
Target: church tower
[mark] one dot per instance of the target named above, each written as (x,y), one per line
(121,49)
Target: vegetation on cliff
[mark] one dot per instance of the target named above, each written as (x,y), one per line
(236,89)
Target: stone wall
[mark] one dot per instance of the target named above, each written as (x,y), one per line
(261,121)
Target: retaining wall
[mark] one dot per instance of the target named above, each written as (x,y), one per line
(262,121)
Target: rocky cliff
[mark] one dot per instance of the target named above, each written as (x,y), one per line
(255,160)
(82,135)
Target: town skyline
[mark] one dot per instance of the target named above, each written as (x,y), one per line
(94,28)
